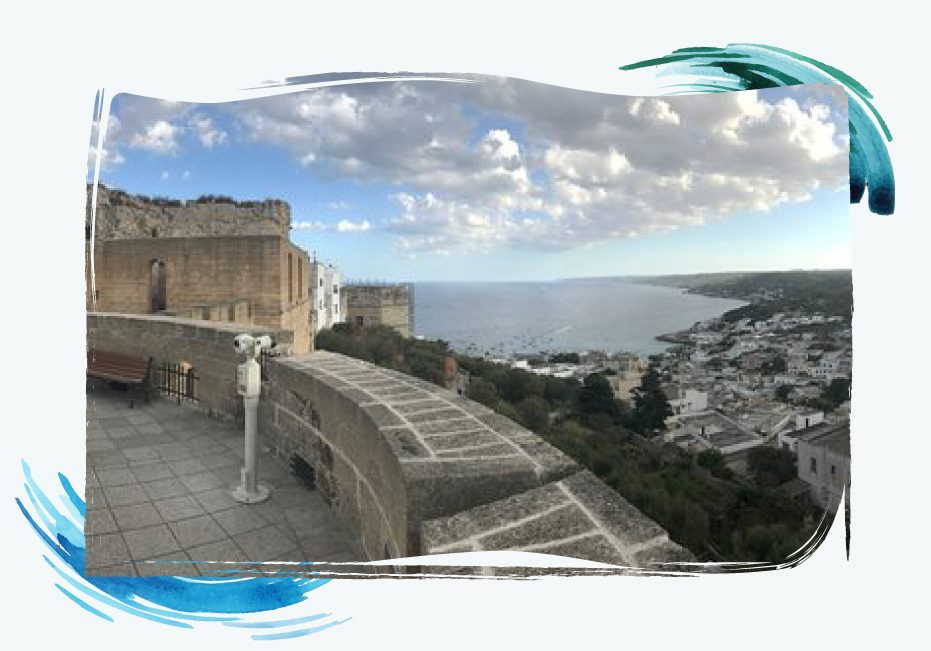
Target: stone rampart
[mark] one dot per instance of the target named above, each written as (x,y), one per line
(412,469)
(205,345)
(124,216)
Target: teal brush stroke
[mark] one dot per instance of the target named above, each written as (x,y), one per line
(750,66)
(170,601)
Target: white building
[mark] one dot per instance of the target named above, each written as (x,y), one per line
(325,293)
(824,463)
(688,401)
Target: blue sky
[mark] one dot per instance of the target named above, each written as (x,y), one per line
(511,180)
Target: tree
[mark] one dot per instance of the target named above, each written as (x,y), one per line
(782,392)
(714,462)
(596,397)
(772,466)
(651,407)
(483,391)
(534,414)
(567,358)
(838,391)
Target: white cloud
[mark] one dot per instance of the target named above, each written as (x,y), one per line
(207,133)
(346,226)
(342,226)
(509,163)
(160,137)
(109,155)
(308,226)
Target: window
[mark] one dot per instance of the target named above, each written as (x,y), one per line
(158,285)
(336,289)
(300,279)
(814,466)
(833,470)
(290,280)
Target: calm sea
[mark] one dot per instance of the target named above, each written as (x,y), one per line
(612,314)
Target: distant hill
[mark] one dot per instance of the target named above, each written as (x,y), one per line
(827,292)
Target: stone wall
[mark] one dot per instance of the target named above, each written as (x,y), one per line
(124,216)
(379,305)
(206,346)
(207,271)
(412,468)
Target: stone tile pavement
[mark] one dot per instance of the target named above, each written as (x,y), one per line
(158,489)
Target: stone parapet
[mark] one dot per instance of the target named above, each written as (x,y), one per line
(578,516)
(206,346)
(413,468)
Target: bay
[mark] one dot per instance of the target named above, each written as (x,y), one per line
(609,314)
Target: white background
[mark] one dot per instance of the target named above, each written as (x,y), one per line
(54,60)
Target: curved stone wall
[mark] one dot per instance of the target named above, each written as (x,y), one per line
(413,469)
(410,467)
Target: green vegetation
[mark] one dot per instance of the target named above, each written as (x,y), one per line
(837,392)
(651,408)
(699,501)
(565,358)
(809,292)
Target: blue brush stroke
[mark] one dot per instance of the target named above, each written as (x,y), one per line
(745,66)
(170,601)
(83,604)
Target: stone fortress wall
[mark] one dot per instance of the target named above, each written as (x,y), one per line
(124,216)
(206,347)
(222,260)
(414,469)
(410,467)
(371,305)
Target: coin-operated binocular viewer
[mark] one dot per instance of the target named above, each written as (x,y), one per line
(249,386)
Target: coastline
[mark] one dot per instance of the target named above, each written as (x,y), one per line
(613,316)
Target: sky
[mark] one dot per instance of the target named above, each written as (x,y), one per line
(502,179)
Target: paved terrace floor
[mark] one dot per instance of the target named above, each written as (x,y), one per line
(158,489)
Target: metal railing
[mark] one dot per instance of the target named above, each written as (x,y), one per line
(177,381)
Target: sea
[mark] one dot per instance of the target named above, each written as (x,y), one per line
(578,315)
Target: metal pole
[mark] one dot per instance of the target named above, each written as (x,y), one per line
(250,473)
(250,490)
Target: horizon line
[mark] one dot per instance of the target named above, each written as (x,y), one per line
(363,281)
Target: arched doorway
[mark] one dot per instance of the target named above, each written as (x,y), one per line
(157,286)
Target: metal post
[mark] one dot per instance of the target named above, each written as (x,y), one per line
(250,490)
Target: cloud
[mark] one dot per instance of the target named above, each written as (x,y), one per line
(510,163)
(308,226)
(109,156)
(346,226)
(207,133)
(160,137)
(155,126)
(342,226)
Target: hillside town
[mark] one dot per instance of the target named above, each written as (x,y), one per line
(733,385)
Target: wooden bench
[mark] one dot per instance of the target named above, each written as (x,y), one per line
(131,370)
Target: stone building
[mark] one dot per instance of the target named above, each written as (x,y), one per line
(824,462)
(370,305)
(211,259)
